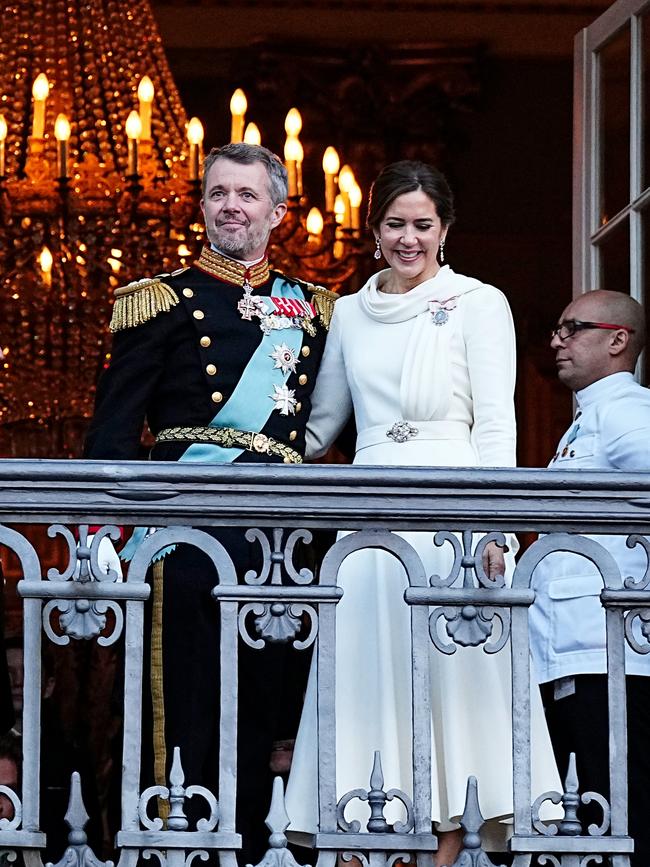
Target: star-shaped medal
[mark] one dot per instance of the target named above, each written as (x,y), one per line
(285,358)
(285,399)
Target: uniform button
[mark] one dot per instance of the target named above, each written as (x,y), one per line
(198,314)
(302,379)
(205,341)
(188,293)
(298,406)
(293,435)
(211,369)
(305,351)
(572,454)
(217,397)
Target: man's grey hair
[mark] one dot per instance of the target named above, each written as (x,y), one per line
(247,154)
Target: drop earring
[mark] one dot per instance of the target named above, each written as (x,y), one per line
(377,253)
(442,250)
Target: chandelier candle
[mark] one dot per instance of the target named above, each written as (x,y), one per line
(145,101)
(62,136)
(40,91)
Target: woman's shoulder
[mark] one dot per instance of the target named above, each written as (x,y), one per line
(483,294)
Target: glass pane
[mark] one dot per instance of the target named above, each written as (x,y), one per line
(615,125)
(615,259)
(645,128)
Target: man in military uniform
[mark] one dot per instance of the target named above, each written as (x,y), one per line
(597,343)
(221,359)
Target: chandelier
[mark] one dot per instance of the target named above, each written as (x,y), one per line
(100,184)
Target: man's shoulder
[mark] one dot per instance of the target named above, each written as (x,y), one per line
(141,300)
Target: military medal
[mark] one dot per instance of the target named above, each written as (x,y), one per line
(285,358)
(440,310)
(250,305)
(285,399)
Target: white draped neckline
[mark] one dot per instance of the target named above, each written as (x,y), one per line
(426,381)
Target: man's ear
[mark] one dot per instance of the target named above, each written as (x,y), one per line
(618,342)
(278,214)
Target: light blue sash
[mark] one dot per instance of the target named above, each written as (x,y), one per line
(248,407)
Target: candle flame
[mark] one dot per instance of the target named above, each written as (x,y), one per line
(3,127)
(293,122)
(339,209)
(346,179)
(133,125)
(238,103)
(314,222)
(41,87)
(331,161)
(355,195)
(45,260)
(195,131)
(61,128)
(252,134)
(293,151)
(145,89)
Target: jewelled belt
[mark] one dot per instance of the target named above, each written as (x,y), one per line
(230,437)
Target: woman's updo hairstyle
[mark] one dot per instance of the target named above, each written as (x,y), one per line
(408,176)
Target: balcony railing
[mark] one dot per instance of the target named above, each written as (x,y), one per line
(287,503)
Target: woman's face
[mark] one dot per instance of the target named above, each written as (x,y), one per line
(410,234)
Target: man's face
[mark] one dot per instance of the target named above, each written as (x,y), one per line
(584,357)
(238,211)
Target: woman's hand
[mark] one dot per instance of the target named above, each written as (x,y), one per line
(494,561)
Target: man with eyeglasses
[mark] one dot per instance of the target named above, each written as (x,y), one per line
(597,343)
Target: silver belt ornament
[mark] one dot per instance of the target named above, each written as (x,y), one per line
(402,431)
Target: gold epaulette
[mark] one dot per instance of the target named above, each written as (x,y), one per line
(140,301)
(324,301)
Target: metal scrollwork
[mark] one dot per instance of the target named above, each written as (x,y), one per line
(13,823)
(472,563)
(570,799)
(469,625)
(377,799)
(176,794)
(402,857)
(277,623)
(632,541)
(358,856)
(79,618)
(275,560)
(642,617)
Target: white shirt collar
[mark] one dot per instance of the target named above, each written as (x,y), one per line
(603,387)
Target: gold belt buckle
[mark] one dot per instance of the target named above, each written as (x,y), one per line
(260,443)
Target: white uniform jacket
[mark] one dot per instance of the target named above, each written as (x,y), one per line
(611,430)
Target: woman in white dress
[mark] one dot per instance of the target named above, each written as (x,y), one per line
(423,345)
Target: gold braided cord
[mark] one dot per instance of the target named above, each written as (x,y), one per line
(157,691)
(141,301)
(324,302)
(230,437)
(230,271)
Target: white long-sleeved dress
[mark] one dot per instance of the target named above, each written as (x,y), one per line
(442,358)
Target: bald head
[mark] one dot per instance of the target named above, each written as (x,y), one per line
(591,354)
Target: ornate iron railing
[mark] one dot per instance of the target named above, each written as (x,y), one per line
(289,502)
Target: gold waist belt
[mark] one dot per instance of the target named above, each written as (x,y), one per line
(230,437)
